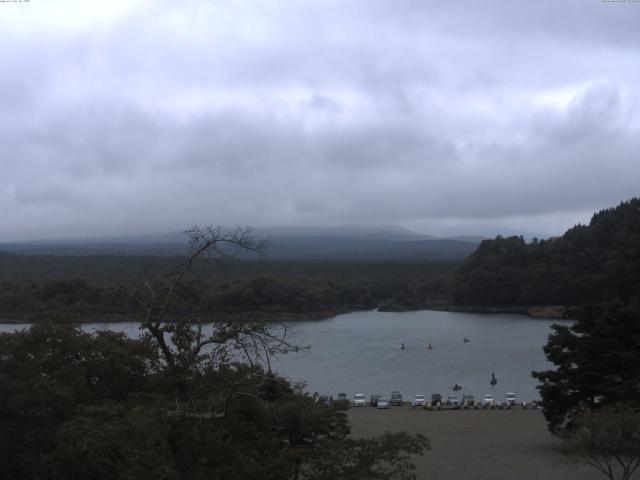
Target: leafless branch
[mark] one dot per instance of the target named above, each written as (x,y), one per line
(256,341)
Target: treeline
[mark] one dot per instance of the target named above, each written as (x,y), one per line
(594,262)
(265,287)
(119,269)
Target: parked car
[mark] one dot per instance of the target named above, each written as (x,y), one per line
(419,400)
(342,397)
(436,398)
(396,398)
(488,400)
(468,399)
(510,398)
(384,403)
(359,400)
(374,400)
(453,401)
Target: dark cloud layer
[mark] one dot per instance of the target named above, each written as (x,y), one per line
(441,116)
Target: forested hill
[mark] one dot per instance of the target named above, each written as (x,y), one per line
(588,263)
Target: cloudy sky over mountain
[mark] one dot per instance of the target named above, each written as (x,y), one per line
(445,117)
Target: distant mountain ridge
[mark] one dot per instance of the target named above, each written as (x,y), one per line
(299,243)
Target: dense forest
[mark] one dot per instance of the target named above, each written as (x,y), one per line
(89,287)
(588,263)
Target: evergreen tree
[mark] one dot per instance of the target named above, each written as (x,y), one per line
(597,363)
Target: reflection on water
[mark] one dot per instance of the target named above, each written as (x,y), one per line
(361,352)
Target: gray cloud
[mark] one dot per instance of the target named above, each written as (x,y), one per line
(153,115)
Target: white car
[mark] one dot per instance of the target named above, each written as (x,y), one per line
(488,400)
(419,400)
(359,400)
(510,398)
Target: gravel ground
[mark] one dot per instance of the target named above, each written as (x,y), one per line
(476,444)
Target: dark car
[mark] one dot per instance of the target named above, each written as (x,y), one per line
(468,400)
(396,398)
(374,400)
(436,398)
(453,402)
(342,397)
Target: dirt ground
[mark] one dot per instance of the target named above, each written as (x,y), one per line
(476,444)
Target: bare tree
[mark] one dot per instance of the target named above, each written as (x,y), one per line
(608,440)
(181,341)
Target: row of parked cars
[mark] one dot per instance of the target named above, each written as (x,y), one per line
(468,400)
(452,401)
(380,401)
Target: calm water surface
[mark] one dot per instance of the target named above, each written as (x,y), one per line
(361,352)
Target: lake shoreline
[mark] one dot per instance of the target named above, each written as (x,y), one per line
(266,317)
(558,312)
(554,312)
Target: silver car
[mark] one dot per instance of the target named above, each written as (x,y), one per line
(359,400)
(384,403)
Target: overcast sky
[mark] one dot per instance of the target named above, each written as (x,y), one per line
(441,116)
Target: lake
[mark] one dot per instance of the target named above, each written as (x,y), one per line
(361,352)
